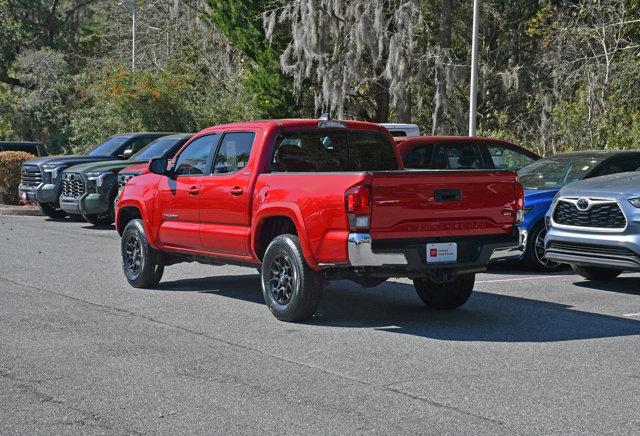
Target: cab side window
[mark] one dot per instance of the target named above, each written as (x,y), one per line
(194,158)
(506,158)
(234,152)
(138,144)
(618,165)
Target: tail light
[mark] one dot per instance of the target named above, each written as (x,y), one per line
(519,202)
(357,201)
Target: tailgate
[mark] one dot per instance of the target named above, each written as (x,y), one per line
(431,204)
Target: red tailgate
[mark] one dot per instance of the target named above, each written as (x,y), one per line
(429,204)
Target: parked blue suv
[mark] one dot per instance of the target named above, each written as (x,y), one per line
(543,179)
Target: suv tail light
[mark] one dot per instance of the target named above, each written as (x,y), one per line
(519,202)
(357,201)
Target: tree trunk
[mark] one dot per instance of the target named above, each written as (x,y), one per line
(381,101)
(403,107)
(440,95)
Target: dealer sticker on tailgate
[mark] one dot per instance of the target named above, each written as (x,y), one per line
(442,252)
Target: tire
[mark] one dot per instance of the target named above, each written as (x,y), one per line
(445,296)
(535,251)
(98,219)
(291,289)
(52,211)
(141,264)
(596,273)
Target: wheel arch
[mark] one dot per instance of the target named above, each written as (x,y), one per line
(277,219)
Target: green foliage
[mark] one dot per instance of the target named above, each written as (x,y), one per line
(10,163)
(8,105)
(119,100)
(576,128)
(239,20)
(45,100)
(10,32)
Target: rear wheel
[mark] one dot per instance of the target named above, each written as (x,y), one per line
(596,273)
(445,296)
(142,265)
(291,289)
(52,210)
(535,251)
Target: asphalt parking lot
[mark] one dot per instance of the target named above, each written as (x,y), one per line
(82,352)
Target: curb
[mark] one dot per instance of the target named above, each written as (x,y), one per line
(6,210)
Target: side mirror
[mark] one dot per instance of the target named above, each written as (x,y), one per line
(159,166)
(126,154)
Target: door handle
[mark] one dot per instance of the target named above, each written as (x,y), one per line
(236,191)
(193,191)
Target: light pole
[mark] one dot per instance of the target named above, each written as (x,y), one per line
(473,98)
(134,11)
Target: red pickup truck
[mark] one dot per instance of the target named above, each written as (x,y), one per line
(313,200)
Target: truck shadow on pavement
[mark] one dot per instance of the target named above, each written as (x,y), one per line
(394,307)
(516,268)
(621,285)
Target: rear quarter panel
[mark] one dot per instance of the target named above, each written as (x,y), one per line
(316,204)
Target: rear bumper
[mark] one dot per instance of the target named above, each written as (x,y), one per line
(407,258)
(621,251)
(516,252)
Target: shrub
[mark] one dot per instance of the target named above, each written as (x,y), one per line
(10,164)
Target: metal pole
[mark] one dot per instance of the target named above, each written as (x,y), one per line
(133,35)
(473,98)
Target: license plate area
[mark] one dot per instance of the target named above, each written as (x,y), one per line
(442,252)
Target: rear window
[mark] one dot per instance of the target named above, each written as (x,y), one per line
(333,151)
(28,148)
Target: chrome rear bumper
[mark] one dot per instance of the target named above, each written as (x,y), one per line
(512,252)
(361,253)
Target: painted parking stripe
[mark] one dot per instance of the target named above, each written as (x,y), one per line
(517,279)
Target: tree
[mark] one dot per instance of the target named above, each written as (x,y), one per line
(359,55)
(239,21)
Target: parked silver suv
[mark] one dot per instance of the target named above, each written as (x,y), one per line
(594,225)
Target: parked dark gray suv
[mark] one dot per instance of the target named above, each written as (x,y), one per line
(41,179)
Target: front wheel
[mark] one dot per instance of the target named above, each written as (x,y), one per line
(535,251)
(142,265)
(447,295)
(52,211)
(596,273)
(291,289)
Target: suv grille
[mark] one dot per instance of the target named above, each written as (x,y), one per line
(30,175)
(72,185)
(604,216)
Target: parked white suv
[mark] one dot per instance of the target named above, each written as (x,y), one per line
(398,129)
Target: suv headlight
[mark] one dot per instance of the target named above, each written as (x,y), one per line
(635,202)
(98,177)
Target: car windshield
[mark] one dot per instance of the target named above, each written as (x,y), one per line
(157,148)
(556,171)
(109,146)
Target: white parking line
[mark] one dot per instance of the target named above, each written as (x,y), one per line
(629,315)
(518,279)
